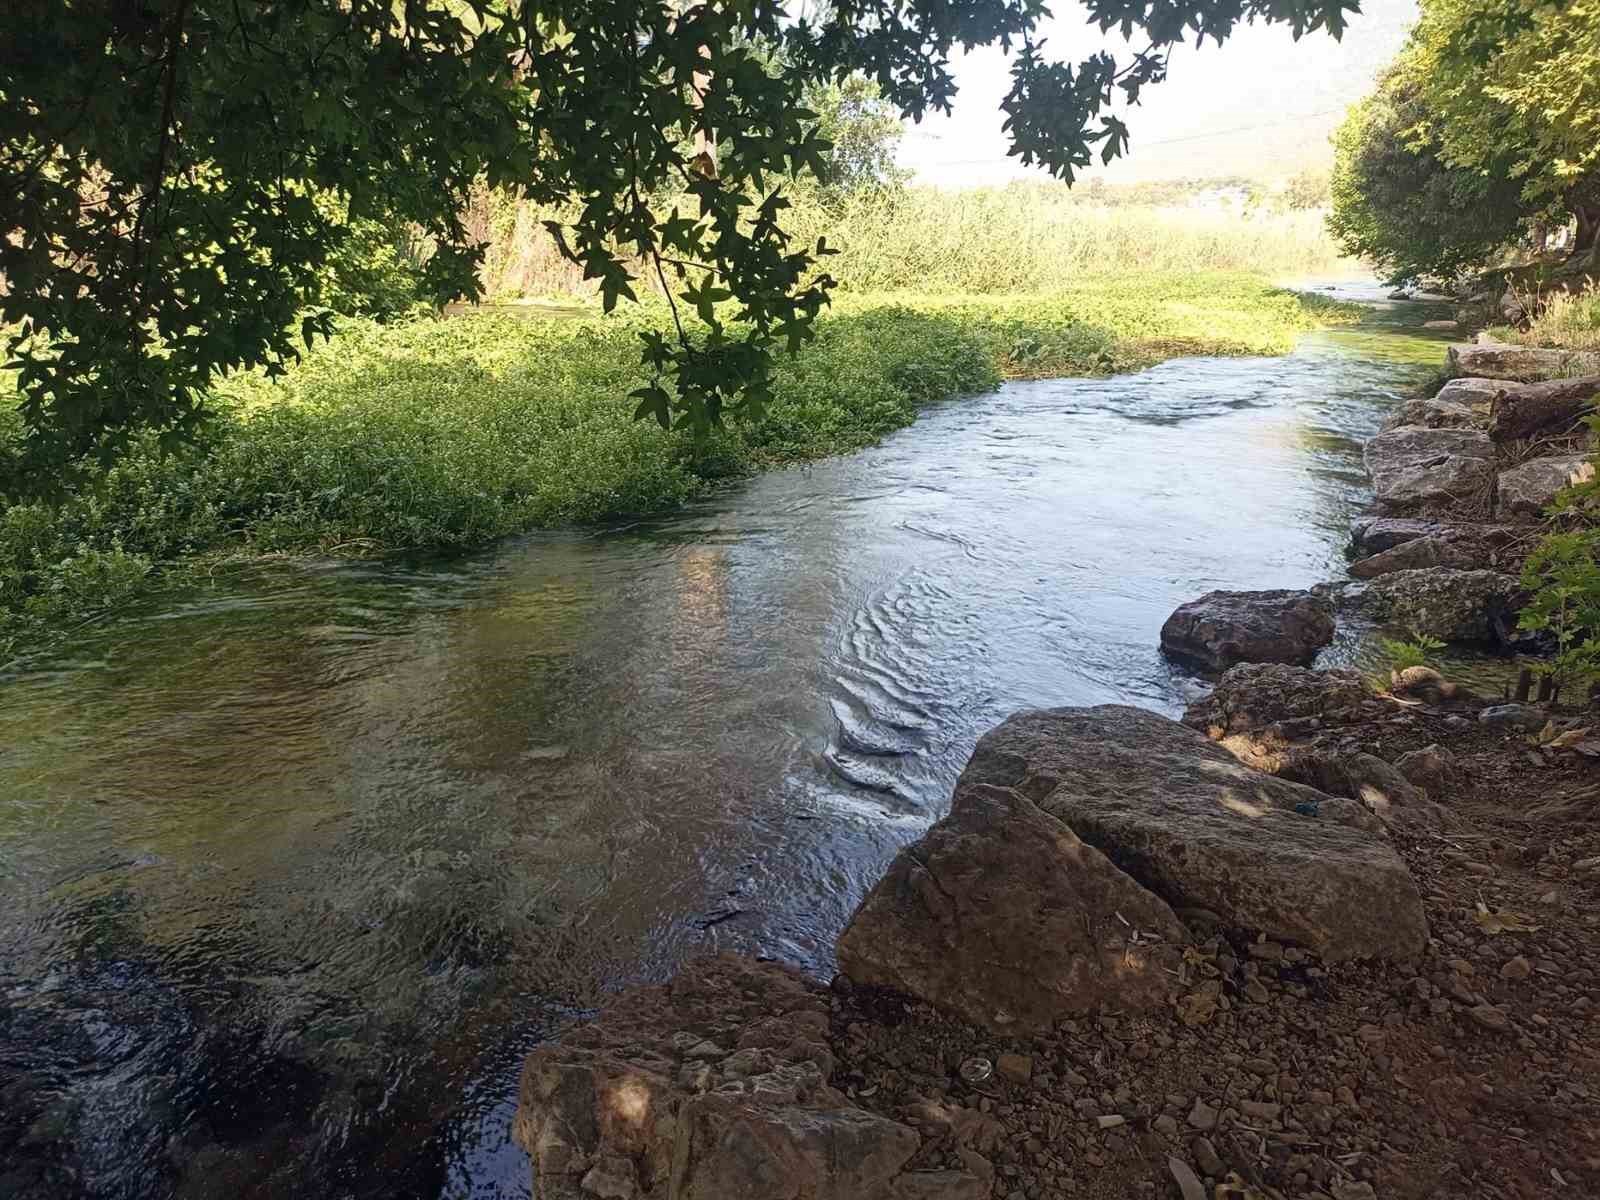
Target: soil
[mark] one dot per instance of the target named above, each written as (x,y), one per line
(1474,1072)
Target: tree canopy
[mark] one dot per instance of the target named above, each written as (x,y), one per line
(1489,120)
(165,166)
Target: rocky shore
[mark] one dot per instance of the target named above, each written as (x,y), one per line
(1311,941)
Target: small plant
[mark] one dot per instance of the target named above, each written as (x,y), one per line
(1410,652)
(1564,577)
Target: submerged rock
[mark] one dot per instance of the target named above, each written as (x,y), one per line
(635,1106)
(1223,628)
(1001,915)
(1187,820)
(1527,489)
(1453,606)
(1416,468)
(1521,364)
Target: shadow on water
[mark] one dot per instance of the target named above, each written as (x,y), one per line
(296,871)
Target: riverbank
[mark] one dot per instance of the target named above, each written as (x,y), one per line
(1130,963)
(441,436)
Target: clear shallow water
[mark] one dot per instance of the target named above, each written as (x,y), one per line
(293,874)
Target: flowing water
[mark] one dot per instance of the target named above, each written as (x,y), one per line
(293,874)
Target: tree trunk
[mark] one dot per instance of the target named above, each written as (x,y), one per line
(1588,238)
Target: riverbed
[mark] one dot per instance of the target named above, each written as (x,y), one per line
(295,869)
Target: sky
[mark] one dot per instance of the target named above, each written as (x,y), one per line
(1261,104)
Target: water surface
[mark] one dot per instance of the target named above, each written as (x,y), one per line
(294,872)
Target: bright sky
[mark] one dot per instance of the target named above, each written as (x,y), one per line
(1261,105)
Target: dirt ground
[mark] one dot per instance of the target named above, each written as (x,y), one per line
(1474,1072)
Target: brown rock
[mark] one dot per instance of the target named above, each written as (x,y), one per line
(1432,768)
(1522,364)
(1258,697)
(1383,789)
(1196,826)
(1521,410)
(1002,915)
(1223,628)
(1453,606)
(1414,468)
(1527,489)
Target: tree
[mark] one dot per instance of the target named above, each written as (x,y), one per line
(862,131)
(162,164)
(1307,189)
(1514,86)
(1404,208)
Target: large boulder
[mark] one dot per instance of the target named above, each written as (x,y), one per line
(1187,820)
(1418,553)
(1223,628)
(710,1087)
(1521,364)
(1373,535)
(1472,393)
(1415,468)
(1001,915)
(1527,489)
(1380,786)
(1521,410)
(1453,606)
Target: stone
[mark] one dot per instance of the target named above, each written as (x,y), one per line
(1254,697)
(1206,1157)
(1522,364)
(1189,1185)
(1423,552)
(1003,916)
(1166,1125)
(1523,718)
(1416,468)
(1432,768)
(1187,820)
(941,1185)
(1434,413)
(1517,968)
(1221,629)
(1382,788)
(1522,410)
(1452,606)
(1527,489)
(1430,687)
(1373,535)
(1202,1117)
(1470,392)
(1015,1068)
(1442,323)
(1490,1017)
(601,1115)
(1358,1190)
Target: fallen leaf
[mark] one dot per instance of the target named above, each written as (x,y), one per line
(1504,921)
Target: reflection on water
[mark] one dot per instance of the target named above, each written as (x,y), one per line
(294,873)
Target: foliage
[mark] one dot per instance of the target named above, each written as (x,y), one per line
(1567,320)
(1403,207)
(1513,87)
(1414,651)
(1563,575)
(1310,188)
(863,134)
(165,159)
(443,435)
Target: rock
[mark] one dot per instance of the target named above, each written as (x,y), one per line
(1430,687)
(1361,1190)
(1442,323)
(1001,915)
(1522,364)
(1432,768)
(1512,310)
(1205,1155)
(1434,413)
(1015,1068)
(1223,628)
(1513,717)
(1453,606)
(1416,468)
(1515,969)
(1520,410)
(1387,793)
(1421,553)
(1373,535)
(1202,1117)
(1400,294)
(1186,819)
(1189,1185)
(1254,697)
(1527,489)
(1490,1017)
(941,1185)
(1474,393)
(601,1115)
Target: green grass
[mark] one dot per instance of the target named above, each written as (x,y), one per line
(446,435)
(1566,320)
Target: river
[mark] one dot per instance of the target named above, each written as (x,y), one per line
(295,871)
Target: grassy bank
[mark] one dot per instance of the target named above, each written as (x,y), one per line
(442,435)
(1567,320)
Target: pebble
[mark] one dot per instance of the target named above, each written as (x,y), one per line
(1516,968)
(1512,716)
(1262,1110)
(1205,1154)
(1166,1124)
(1110,1121)
(1017,1068)
(1202,1117)
(1490,1017)
(1188,1183)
